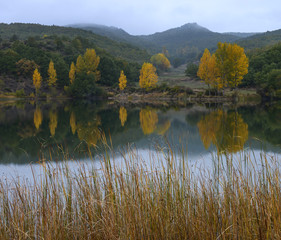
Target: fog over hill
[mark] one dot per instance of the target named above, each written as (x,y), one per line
(185,42)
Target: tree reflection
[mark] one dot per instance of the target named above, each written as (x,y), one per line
(228,132)
(53,115)
(72,122)
(163,128)
(89,131)
(37,117)
(148,120)
(122,115)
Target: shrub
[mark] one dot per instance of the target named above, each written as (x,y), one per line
(20,93)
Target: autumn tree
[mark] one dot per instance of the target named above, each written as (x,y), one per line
(239,65)
(148,120)
(122,115)
(231,63)
(148,76)
(37,80)
(88,63)
(52,74)
(80,64)
(92,61)
(207,70)
(72,72)
(122,81)
(160,61)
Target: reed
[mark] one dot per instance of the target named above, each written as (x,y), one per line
(164,197)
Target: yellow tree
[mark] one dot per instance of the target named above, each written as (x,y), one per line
(148,76)
(92,61)
(207,70)
(160,61)
(72,73)
(239,65)
(52,74)
(148,120)
(80,64)
(203,69)
(37,79)
(53,122)
(122,115)
(232,64)
(122,81)
(38,117)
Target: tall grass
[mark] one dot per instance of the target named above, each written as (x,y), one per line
(235,199)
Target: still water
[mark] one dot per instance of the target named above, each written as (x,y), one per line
(34,131)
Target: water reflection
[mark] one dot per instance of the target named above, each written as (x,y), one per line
(148,120)
(31,130)
(227,131)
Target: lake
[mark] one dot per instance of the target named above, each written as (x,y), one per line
(31,132)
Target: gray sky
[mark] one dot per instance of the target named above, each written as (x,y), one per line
(148,16)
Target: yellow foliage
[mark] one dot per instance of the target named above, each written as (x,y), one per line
(122,81)
(232,64)
(53,122)
(37,79)
(148,120)
(52,74)
(160,61)
(122,115)
(91,62)
(80,64)
(88,63)
(72,72)
(38,117)
(72,122)
(207,70)
(148,76)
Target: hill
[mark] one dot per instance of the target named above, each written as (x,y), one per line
(261,40)
(118,49)
(183,43)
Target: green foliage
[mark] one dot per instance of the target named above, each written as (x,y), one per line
(265,69)
(84,86)
(191,70)
(80,40)
(20,93)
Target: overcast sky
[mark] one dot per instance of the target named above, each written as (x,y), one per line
(148,16)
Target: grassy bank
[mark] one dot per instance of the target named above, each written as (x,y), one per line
(239,198)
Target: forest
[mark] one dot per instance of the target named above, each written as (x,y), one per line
(27,47)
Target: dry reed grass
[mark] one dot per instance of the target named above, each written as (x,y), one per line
(139,201)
